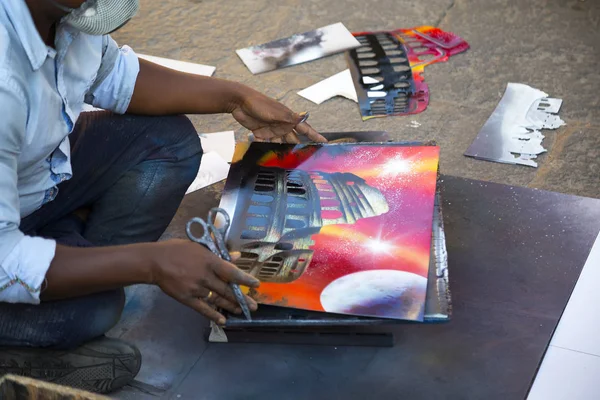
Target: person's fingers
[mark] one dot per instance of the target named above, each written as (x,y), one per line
(291,138)
(219,287)
(246,120)
(223,303)
(210,297)
(263,134)
(280,130)
(252,304)
(307,130)
(284,115)
(205,309)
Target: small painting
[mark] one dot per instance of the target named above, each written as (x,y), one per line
(340,228)
(298,48)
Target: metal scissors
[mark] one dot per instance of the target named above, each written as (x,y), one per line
(214,239)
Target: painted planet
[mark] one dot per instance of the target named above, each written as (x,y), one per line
(377,293)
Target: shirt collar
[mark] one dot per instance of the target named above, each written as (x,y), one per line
(22,22)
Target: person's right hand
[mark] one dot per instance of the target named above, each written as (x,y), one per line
(189,272)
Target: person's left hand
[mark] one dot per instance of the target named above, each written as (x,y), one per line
(271,121)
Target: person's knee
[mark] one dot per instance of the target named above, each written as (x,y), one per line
(178,130)
(60,324)
(104,312)
(184,143)
(188,146)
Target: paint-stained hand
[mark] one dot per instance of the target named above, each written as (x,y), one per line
(270,120)
(196,277)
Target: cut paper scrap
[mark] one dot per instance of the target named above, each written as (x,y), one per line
(222,143)
(218,151)
(183,66)
(512,134)
(297,49)
(213,169)
(339,84)
(396,60)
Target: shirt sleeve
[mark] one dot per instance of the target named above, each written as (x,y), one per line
(24,260)
(115,81)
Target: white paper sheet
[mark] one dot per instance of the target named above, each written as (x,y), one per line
(340,84)
(223,143)
(218,150)
(183,66)
(212,170)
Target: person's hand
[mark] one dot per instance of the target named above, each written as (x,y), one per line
(270,120)
(194,276)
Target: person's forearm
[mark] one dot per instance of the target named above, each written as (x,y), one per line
(163,91)
(77,271)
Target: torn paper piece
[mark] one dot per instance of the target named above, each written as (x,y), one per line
(339,84)
(512,133)
(212,170)
(183,66)
(218,151)
(298,48)
(223,143)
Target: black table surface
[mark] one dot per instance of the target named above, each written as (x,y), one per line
(515,255)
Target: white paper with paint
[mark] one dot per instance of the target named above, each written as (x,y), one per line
(297,49)
(218,150)
(512,133)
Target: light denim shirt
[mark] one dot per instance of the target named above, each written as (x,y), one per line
(42,92)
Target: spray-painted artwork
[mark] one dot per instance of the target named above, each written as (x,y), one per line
(342,228)
(387,69)
(298,49)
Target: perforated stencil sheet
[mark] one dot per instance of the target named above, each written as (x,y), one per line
(387,68)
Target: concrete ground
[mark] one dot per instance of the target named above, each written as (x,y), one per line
(552,45)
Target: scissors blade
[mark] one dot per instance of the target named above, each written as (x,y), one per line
(217,242)
(241,300)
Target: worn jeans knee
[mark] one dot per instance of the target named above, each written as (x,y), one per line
(61,324)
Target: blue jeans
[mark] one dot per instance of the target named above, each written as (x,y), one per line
(131,173)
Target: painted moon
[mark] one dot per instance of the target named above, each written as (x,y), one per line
(377,293)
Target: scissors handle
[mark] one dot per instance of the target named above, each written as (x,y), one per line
(213,214)
(214,238)
(218,234)
(206,238)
